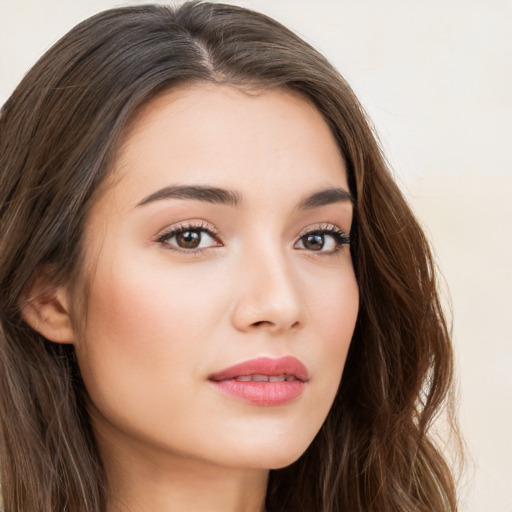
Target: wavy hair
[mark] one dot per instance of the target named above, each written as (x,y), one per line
(58,136)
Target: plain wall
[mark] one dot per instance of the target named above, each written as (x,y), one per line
(436,78)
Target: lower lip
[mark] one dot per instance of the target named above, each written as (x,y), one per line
(264,394)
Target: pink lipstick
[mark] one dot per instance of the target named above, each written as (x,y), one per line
(264,381)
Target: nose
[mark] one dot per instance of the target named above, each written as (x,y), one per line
(268,295)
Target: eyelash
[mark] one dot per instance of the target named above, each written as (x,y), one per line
(183,228)
(340,237)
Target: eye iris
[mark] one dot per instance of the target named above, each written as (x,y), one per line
(314,242)
(188,239)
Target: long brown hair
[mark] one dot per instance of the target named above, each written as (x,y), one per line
(58,134)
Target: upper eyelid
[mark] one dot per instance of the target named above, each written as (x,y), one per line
(323,227)
(212,231)
(183,226)
(164,237)
(327,226)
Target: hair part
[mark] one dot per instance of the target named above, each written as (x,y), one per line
(59,133)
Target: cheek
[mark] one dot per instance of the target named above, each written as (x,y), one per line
(143,332)
(339,315)
(140,304)
(151,329)
(333,311)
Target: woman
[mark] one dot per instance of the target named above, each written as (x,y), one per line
(213,295)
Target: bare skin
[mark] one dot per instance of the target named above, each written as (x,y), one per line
(270,276)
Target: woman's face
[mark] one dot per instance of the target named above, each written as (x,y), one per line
(220,244)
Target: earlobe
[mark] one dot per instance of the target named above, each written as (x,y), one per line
(45,308)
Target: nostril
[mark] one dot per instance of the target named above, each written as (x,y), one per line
(262,323)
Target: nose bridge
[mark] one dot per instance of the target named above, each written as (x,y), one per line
(268,292)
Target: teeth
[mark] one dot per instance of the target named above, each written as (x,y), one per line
(260,378)
(265,378)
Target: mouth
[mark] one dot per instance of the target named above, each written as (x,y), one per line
(265,378)
(264,381)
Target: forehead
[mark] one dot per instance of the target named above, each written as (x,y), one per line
(230,137)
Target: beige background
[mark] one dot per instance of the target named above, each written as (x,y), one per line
(436,77)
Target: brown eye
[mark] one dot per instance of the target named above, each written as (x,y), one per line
(327,240)
(188,239)
(313,242)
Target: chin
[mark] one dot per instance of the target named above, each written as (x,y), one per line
(272,453)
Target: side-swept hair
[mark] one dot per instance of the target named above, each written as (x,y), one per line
(58,135)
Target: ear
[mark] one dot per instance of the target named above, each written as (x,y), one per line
(45,307)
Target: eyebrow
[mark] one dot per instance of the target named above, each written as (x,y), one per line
(197,192)
(222,196)
(324,197)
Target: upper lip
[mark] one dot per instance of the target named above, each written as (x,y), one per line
(288,366)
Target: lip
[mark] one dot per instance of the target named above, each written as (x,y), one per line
(263,392)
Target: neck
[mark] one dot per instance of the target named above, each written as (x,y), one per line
(187,491)
(143,479)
